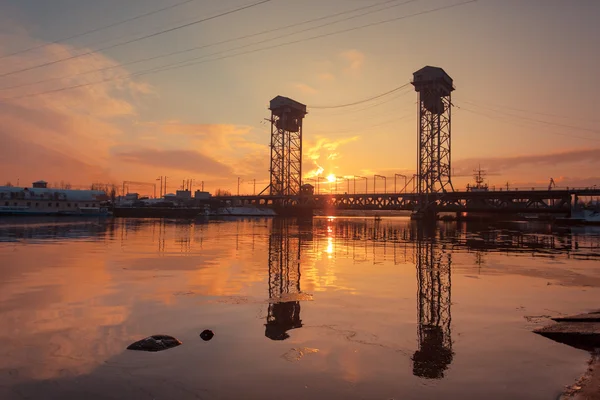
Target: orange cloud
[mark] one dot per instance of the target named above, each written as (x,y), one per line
(182,160)
(66,134)
(355,60)
(305,89)
(326,76)
(509,163)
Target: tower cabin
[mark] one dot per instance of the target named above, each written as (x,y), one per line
(289,113)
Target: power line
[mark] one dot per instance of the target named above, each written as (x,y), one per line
(136,39)
(368,107)
(553,133)
(524,111)
(232,40)
(184,64)
(540,121)
(360,101)
(147,14)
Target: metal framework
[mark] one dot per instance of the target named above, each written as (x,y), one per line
(493,202)
(434,334)
(434,130)
(286,146)
(284,280)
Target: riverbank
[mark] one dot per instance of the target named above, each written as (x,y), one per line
(582,332)
(588,386)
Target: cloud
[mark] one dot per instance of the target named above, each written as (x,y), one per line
(304,88)
(326,76)
(65,135)
(500,164)
(355,60)
(183,160)
(27,161)
(323,151)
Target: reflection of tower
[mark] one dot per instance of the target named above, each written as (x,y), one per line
(286,146)
(434,86)
(284,281)
(433,309)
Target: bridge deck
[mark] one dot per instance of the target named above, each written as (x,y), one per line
(533,201)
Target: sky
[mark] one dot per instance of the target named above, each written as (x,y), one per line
(85,98)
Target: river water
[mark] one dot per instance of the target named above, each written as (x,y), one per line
(333,308)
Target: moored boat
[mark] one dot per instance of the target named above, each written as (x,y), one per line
(42,200)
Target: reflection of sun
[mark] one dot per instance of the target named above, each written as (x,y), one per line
(331,178)
(329,250)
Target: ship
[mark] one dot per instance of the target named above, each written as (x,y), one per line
(480,185)
(42,200)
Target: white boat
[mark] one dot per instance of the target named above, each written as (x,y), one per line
(581,217)
(41,200)
(246,211)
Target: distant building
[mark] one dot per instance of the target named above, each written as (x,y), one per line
(200,195)
(132,196)
(183,195)
(40,185)
(39,199)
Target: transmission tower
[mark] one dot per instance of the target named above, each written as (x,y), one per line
(284,280)
(286,146)
(435,89)
(434,354)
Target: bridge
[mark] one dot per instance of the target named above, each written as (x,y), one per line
(433,188)
(500,202)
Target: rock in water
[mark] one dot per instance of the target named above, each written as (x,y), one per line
(206,335)
(155,343)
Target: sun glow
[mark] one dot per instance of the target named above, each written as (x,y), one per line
(331,178)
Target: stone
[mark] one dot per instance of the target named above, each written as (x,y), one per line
(155,343)
(579,334)
(206,335)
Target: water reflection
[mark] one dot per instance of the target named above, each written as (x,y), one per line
(76,306)
(433,264)
(284,280)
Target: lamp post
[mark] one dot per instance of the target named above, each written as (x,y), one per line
(366,183)
(401,176)
(384,182)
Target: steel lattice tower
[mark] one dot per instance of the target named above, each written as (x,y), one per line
(434,354)
(286,146)
(435,88)
(284,280)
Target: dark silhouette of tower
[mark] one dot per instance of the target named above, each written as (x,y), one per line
(434,354)
(284,280)
(434,169)
(286,146)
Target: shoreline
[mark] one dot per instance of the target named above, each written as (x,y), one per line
(587,387)
(582,332)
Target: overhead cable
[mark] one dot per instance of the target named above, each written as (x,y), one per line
(232,40)
(112,46)
(101,28)
(185,64)
(360,101)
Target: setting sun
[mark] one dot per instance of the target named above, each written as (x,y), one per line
(331,178)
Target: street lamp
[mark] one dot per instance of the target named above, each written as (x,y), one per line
(316,179)
(366,183)
(401,176)
(375,181)
(348,182)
